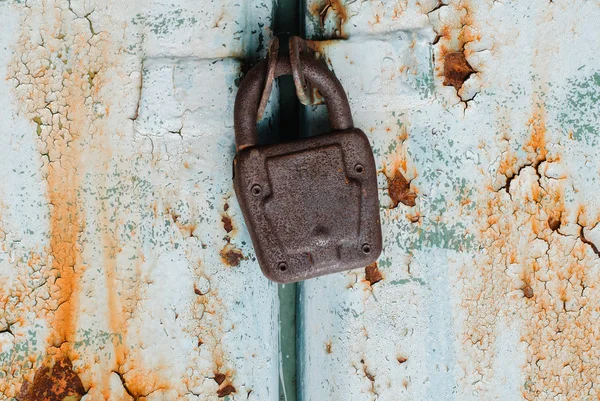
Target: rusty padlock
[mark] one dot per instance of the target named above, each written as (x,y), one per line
(311,205)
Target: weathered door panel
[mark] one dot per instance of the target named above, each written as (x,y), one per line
(484,118)
(122,251)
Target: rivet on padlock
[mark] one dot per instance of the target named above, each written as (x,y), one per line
(311,205)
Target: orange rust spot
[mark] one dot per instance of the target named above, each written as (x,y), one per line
(227,390)
(231,255)
(174,215)
(399,190)
(220,378)
(54,381)
(527,291)
(328,347)
(554,223)
(456,70)
(372,274)
(227,224)
(508,165)
(340,9)
(401,359)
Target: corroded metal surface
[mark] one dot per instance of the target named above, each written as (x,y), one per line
(484,118)
(124,272)
(292,194)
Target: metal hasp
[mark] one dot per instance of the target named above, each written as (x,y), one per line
(311,205)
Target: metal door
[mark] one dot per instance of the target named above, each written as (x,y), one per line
(126,271)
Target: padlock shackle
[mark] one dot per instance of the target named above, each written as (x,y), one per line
(251,88)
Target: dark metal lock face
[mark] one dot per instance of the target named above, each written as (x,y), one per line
(311,206)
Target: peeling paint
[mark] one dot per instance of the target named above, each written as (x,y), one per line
(54,382)
(456,70)
(490,275)
(372,274)
(112,268)
(399,190)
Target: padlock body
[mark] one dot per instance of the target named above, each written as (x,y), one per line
(311,206)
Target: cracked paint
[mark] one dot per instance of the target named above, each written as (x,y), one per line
(124,262)
(490,275)
(113,283)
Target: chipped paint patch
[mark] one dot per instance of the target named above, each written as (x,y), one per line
(54,381)
(457,38)
(578,111)
(372,274)
(400,191)
(232,256)
(456,70)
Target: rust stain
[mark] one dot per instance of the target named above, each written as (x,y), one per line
(401,359)
(527,291)
(197,290)
(455,30)
(328,347)
(456,70)
(209,338)
(227,224)
(226,390)
(338,8)
(54,381)
(372,274)
(59,97)
(399,189)
(220,378)
(65,228)
(554,222)
(231,255)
